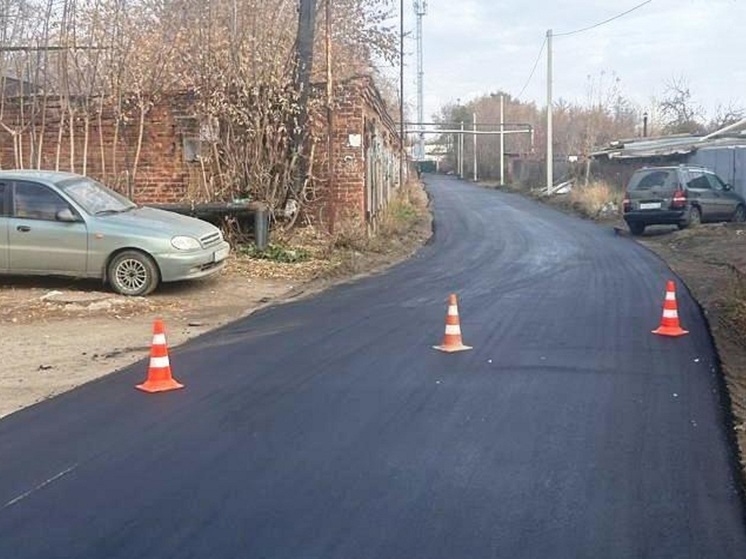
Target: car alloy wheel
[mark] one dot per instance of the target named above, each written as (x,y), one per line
(133,273)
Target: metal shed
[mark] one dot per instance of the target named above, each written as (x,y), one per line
(724,155)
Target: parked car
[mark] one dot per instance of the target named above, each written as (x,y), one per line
(65,224)
(684,195)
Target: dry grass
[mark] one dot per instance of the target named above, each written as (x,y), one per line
(353,248)
(594,198)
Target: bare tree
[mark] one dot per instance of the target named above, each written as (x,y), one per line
(725,115)
(680,113)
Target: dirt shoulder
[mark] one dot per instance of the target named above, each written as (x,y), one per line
(711,260)
(56,334)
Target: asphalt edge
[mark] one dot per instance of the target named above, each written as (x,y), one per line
(738,471)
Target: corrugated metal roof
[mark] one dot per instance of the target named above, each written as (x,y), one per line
(666,146)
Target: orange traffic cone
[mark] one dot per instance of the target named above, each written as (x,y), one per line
(670,322)
(452,339)
(159,369)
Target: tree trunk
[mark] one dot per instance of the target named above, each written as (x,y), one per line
(141,133)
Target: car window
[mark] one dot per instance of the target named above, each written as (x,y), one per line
(697,180)
(647,179)
(3,190)
(36,201)
(715,181)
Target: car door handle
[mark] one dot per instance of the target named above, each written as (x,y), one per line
(23,228)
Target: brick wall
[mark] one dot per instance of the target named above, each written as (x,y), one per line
(166,174)
(50,139)
(354,188)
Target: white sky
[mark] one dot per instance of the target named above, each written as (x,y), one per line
(474,47)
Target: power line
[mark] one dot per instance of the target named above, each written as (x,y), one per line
(599,24)
(536,63)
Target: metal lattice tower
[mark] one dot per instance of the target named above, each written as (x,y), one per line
(420,9)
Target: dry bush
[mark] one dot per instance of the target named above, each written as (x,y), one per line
(351,233)
(595,198)
(398,217)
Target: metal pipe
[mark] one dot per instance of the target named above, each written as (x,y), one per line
(738,124)
(468,132)
(479,125)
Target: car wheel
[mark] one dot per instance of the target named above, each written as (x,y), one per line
(133,273)
(695,217)
(740,215)
(636,228)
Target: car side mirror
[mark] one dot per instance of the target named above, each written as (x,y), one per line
(728,187)
(66,215)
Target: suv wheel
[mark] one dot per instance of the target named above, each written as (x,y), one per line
(695,217)
(740,215)
(636,228)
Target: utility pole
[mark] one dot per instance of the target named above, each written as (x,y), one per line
(461,152)
(420,9)
(550,154)
(502,139)
(476,175)
(303,68)
(329,94)
(402,153)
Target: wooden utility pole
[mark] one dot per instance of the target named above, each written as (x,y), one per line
(329,95)
(550,152)
(402,154)
(303,68)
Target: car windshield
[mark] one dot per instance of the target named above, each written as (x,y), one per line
(95,198)
(645,180)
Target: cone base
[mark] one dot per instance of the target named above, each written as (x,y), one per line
(452,348)
(160,386)
(670,331)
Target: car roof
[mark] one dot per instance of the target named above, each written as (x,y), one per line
(47,176)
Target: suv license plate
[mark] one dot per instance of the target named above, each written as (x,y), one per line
(221,254)
(650,206)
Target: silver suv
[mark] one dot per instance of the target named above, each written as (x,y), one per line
(683,196)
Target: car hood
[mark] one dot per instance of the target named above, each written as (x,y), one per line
(159,221)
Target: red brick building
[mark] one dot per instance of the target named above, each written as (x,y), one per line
(159,162)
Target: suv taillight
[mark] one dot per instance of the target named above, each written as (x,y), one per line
(679,199)
(626,204)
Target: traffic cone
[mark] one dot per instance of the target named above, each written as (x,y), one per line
(159,369)
(452,340)
(670,322)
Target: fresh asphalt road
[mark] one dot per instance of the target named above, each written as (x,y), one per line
(329,427)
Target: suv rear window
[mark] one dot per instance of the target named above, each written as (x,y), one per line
(647,179)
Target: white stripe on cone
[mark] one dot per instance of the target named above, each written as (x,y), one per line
(670,314)
(159,339)
(670,296)
(159,362)
(452,311)
(453,330)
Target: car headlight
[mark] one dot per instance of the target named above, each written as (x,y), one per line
(182,242)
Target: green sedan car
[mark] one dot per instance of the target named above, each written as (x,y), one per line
(63,224)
